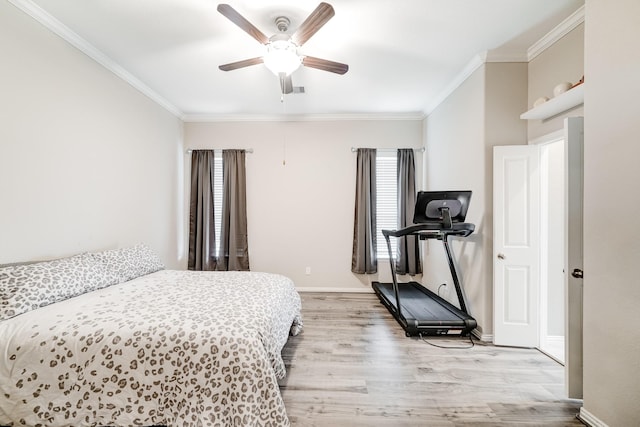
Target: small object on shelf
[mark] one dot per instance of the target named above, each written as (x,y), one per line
(540,101)
(562,88)
(579,82)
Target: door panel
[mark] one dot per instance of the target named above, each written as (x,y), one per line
(517,197)
(516,293)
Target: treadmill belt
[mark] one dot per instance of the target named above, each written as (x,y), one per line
(416,305)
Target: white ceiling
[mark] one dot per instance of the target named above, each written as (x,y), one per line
(402,54)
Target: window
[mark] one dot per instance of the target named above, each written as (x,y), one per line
(217,198)
(386,199)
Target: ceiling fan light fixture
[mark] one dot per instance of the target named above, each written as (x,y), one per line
(282,57)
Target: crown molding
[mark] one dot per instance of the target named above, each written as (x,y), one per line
(51,23)
(506,55)
(57,27)
(476,62)
(561,30)
(417,116)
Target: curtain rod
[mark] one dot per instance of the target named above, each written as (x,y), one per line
(248,150)
(421,149)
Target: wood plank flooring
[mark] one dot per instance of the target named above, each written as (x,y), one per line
(353,366)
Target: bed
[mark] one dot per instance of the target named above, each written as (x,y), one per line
(112,338)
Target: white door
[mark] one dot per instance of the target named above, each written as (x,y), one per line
(574,171)
(516,244)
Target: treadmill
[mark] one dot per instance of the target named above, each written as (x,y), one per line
(438,215)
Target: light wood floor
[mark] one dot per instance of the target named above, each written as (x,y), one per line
(353,366)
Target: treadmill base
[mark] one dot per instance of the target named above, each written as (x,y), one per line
(422,312)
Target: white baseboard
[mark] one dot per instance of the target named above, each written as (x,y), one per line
(555,339)
(589,419)
(482,337)
(362,290)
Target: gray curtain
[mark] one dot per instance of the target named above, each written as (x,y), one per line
(234,246)
(202,239)
(364,258)
(408,259)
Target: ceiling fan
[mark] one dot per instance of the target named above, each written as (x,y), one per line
(282,56)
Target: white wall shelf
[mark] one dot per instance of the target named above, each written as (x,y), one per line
(563,102)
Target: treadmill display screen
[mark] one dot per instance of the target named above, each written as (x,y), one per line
(429,206)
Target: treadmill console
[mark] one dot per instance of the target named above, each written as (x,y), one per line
(438,215)
(441,206)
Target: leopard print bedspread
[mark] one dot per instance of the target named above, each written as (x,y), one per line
(174,348)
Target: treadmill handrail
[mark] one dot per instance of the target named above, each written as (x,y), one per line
(462,229)
(393,275)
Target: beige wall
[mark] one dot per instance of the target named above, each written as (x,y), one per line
(612,243)
(300,213)
(454,136)
(86,161)
(460,135)
(561,62)
(505,97)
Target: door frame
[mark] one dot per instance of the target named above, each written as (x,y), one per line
(573,135)
(574,227)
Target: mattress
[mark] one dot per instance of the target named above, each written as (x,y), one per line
(174,348)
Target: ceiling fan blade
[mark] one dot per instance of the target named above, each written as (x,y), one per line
(313,23)
(241,64)
(241,22)
(285,83)
(325,65)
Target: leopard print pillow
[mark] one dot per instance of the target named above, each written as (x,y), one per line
(26,287)
(129,263)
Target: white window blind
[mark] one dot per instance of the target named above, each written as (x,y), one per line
(387,199)
(217,197)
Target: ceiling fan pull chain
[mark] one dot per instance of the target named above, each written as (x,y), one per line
(284,132)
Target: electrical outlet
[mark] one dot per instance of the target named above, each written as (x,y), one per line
(307,271)
(444,285)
